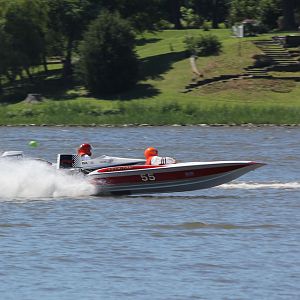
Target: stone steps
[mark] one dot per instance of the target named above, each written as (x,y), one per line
(275,50)
(281,58)
(272,53)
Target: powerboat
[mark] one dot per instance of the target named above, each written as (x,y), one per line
(179,177)
(124,176)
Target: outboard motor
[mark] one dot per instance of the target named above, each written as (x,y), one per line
(68,161)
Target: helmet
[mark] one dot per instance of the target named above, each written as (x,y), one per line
(84,149)
(150,152)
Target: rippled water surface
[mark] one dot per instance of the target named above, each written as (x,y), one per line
(236,241)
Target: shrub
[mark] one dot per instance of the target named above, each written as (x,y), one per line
(206,26)
(164,24)
(108,63)
(203,45)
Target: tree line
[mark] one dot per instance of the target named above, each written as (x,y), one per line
(31,31)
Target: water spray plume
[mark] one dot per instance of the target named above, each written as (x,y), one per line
(34,179)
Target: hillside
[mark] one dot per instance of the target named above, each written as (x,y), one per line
(160,97)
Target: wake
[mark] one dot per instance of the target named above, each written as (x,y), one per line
(35,179)
(261,185)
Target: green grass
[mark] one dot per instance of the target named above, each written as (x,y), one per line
(158,98)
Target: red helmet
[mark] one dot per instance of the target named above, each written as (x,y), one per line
(84,149)
(150,152)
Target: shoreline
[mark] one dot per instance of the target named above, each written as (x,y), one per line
(247,125)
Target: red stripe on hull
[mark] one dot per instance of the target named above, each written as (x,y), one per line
(167,176)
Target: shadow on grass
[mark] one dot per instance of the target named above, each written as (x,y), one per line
(51,85)
(45,84)
(12,97)
(153,67)
(140,91)
(143,41)
(58,89)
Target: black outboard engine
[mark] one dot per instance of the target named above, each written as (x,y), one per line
(68,161)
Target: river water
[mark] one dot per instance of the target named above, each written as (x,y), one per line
(237,241)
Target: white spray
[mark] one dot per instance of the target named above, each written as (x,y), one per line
(261,185)
(35,179)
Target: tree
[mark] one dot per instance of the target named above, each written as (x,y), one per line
(269,12)
(219,12)
(142,15)
(171,10)
(108,62)
(4,53)
(265,11)
(67,20)
(23,27)
(189,18)
(215,11)
(3,7)
(243,9)
(288,7)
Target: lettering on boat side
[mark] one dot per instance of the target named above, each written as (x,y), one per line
(148,177)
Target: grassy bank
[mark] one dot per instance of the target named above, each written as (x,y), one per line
(158,98)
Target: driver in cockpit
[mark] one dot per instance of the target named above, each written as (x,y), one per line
(85,151)
(152,158)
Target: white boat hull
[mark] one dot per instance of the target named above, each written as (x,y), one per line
(170,178)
